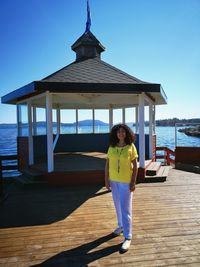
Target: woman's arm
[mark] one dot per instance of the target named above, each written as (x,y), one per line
(107,183)
(134,175)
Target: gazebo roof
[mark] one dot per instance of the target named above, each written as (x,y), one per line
(92,70)
(88,75)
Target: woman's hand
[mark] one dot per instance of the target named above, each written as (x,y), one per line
(132,187)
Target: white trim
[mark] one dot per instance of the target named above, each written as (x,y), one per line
(141,131)
(50,159)
(150,131)
(30,134)
(136,119)
(148,99)
(175,135)
(154,119)
(32,98)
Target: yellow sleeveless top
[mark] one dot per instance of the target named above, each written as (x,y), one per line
(120,162)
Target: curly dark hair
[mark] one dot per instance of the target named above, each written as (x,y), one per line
(130,136)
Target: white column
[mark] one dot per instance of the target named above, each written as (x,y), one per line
(141,131)
(34,121)
(76,120)
(93,121)
(154,119)
(123,116)
(58,120)
(136,119)
(50,161)
(110,118)
(150,130)
(30,134)
(18,120)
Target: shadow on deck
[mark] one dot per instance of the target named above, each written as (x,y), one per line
(82,255)
(42,205)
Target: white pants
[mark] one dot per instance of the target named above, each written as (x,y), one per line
(122,198)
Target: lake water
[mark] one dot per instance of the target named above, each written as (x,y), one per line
(165,137)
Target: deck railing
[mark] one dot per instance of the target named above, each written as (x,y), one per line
(4,165)
(168,153)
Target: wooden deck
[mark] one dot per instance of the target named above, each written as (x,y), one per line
(71,226)
(73,162)
(83,168)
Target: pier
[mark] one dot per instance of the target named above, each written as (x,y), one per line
(71,226)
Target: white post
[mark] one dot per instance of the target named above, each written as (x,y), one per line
(30,134)
(175,135)
(136,119)
(58,120)
(141,131)
(76,120)
(18,120)
(123,116)
(34,121)
(110,118)
(50,161)
(150,130)
(154,119)
(93,121)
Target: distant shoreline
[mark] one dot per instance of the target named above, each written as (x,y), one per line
(163,123)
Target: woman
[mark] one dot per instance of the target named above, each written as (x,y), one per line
(120,177)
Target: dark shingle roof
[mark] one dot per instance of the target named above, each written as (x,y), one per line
(91,70)
(88,76)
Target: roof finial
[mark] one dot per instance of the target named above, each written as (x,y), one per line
(88,23)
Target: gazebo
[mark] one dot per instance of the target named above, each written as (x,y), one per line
(86,83)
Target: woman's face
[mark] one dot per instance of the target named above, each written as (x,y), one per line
(121,134)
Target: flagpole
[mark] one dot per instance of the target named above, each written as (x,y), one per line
(88,23)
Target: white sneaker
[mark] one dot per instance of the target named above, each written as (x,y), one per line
(118,231)
(126,245)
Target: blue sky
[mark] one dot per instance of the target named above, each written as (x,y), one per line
(153,40)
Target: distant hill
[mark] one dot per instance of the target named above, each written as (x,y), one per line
(43,124)
(165,122)
(172,122)
(89,123)
(8,125)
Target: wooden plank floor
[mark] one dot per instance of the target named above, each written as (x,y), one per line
(72,226)
(67,162)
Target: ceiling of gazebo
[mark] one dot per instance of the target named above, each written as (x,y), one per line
(87,100)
